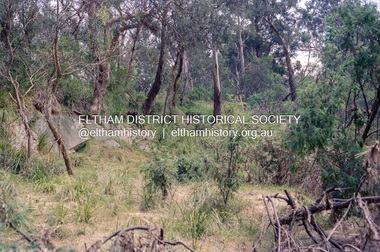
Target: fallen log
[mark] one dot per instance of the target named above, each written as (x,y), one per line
(302,214)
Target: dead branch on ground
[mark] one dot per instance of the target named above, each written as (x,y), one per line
(305,217)
(129,240)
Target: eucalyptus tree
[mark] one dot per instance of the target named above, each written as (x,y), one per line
(213,22)
(155,88)
(339,108)
(28,65)
(107,22)
(352,49)
(284,19)
(191,26)
(16,28)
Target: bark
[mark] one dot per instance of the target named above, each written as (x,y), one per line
(289,67)
(102,80)
(187,81)
(303,213)
(20,108)
(92,9)
(176,77)
(166,101)
(57,135)
(148,104)
(241,72)
(173,80)
(371,119)
(132,52)
(241,50)
(217,88)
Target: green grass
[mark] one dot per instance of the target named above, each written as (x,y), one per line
(107,194)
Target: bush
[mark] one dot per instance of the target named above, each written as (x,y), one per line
(159,173)
(189,168)
(227,161)
(199,94)
(76,92)
(276,165)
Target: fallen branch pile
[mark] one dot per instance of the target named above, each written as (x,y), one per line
(128,240)
(305,216)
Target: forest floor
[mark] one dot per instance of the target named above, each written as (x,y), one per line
(107,195)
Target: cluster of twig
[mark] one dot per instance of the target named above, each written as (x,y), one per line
(305,216)
(128,240)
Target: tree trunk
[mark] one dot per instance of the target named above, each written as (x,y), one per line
(187,80)
(92,8)
(166,101)
(176,78)
(217,88)
(241,51)
(20,108)
(102,80)
(132,52)
(57,135)
(148,104)
(104,60)
(241,73)
(289,67)
(49,96)
(19,100)
(374,109)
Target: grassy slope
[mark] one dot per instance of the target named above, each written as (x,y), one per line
(106,196)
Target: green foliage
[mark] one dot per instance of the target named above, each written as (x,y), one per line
(76,92)
(198,108)
(189,168)
(263,100)
(233,104)
(196,216)
(335,111)
(58,215)
(226,165)
(340,166)
(159,173)
(42,142)
(78,191)
(120,95)
(14,215)
(317,110)
(103,14)
(149,198)
(85,211)
(274,164)
(77,160)
(3,99)
(158,107)
(18,162)
(199,94)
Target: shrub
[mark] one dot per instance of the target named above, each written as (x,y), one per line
(189,168)
(227,165)
(159,173)
(199,94)
(196,215)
